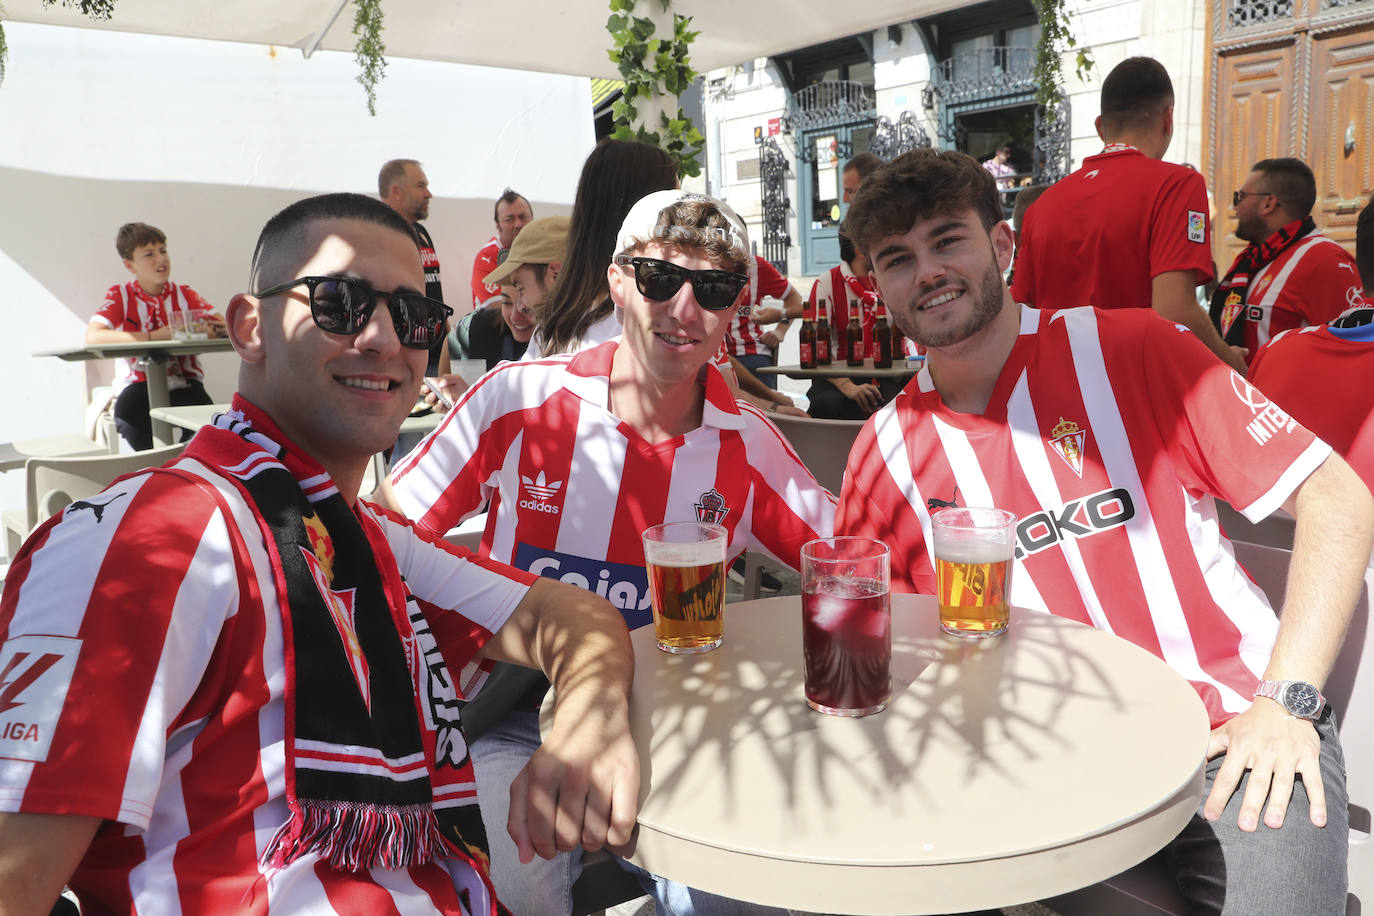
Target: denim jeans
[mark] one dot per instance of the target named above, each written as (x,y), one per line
(758,361)
(543,887)
(1296,870)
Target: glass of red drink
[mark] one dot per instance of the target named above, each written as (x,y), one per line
(846,625)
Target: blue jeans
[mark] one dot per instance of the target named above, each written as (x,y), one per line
(543,887)
(1297,870)
(757,361)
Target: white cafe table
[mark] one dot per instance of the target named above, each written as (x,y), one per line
(154,352)
(1003,771)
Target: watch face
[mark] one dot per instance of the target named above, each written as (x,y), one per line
(1303,700)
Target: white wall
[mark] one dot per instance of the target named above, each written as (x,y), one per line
(206,140)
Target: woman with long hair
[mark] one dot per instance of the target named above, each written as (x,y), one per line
(579,312)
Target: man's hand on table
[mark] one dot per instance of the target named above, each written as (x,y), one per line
(580,787)
(1274,746)
(865,395)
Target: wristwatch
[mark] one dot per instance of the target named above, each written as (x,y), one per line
(1300,698)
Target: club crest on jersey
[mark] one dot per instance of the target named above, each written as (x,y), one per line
(1230,310)
(1197,226)
(711,507)
(1067,439)
(35,672)
(342,610)
(540,491)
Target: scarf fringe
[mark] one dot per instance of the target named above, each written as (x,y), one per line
(356,837)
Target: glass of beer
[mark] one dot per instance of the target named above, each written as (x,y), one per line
(973,552)
(686,565)
(846,625)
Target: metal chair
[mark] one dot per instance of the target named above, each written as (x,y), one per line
(823,447)
(54,483)
(1149,890)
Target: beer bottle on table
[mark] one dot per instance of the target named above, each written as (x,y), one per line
(854,337)
(882,339)
(822,335)
(807,344)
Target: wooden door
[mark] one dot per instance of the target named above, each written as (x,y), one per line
(1254,121)
(1341,145)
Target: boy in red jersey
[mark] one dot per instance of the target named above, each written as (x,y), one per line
(1110,433)
(150,307)
(238,684)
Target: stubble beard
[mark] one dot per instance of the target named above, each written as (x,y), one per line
(987,304)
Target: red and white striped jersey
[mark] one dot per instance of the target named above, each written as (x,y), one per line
(483,293)
(128,307)
(1108,434)
(1311,282)
(143,678)
(571,487)
(742,337)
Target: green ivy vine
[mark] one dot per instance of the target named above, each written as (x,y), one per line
(654,68)
(368,51)
(1055,38)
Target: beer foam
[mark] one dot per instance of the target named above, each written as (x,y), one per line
(971,551)
(697,554)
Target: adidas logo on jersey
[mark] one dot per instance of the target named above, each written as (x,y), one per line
(540,491)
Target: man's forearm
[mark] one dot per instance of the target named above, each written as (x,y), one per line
(1331,544)
(1173,298)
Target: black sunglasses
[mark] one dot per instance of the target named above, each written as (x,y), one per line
(341,305)
(715,290)
(1238,196)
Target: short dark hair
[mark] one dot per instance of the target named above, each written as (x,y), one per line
(392,173)
(846,244)
(1364,246)
(136,235)
(919,185)
(286,231)
(1136,90)
(508,197)
(1291,181)
(1024,198)
(864,164)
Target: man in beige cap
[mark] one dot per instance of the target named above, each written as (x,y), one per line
(525,275)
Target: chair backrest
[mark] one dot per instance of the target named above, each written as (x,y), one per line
(822,445)
(54,483)
(1350,689)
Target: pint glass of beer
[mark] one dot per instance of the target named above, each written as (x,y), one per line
(973,551)
(686,565)
(846,625)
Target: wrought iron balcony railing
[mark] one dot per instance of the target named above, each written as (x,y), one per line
(985,73)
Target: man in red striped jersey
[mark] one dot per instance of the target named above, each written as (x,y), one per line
(573,456)
(229,686)
(1110,433)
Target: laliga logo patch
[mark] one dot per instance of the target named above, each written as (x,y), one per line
(711,507)
(540,491)
(1067,439)
(35,672)
(1197,226)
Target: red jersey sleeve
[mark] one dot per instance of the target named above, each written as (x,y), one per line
(1181,234)
(789,506)
(1225,436)
(112,311)
(872,505)
(1324,284)
(483,264)
(195,300)
(771,282)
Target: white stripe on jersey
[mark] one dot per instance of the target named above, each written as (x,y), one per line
(503,536)
(596,454)
(694,473)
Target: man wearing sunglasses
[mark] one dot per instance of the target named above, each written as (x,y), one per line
(573,456)
(234,676)
(1290,275)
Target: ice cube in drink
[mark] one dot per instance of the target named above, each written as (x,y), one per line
(847,645)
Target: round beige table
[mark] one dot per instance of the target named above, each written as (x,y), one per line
(1002,771)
